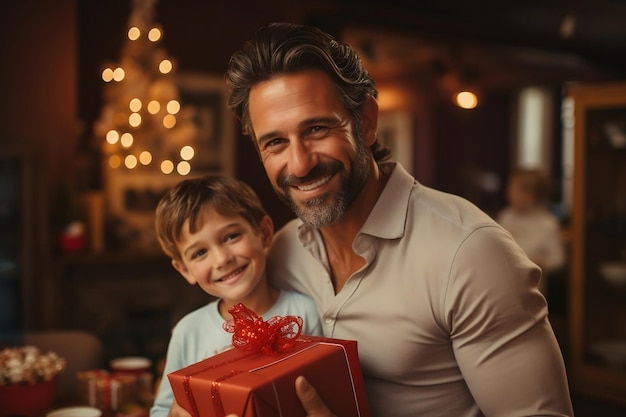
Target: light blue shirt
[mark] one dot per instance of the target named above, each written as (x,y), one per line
(200,335)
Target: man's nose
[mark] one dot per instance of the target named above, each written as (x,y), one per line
(301,158)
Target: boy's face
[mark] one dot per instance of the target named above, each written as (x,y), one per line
(519,197)
(226,256)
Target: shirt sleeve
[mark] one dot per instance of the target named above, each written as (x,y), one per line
(502,339)
(173,362)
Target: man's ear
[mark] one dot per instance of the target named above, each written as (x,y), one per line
(182,269)
(266,227)
(369,123)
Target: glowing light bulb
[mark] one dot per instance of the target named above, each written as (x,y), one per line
(154,34)
(118,74)
(173,107)
(187,153)
(167,166)
(135,105)
(134,119)
(183,168)
(165,66)
(134,33)
(154,107)
(169,121)
(127,140)
(112,137)
(145,158)
(130,161)
(107,75)
(466,100)
(115,161)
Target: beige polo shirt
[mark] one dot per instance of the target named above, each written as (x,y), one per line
(446,311)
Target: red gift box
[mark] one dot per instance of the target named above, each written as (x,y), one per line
(253,384)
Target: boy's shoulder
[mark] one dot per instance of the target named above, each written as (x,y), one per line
(199,315)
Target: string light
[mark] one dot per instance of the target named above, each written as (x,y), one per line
(141,120)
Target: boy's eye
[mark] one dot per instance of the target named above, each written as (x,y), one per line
(198,253)
(231,236)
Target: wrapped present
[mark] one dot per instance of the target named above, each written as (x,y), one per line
(257,379)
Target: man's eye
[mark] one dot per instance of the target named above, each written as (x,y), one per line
(319,130)
(274,142)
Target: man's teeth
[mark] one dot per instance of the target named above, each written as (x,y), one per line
(315,184)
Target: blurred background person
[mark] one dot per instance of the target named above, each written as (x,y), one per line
(534,227)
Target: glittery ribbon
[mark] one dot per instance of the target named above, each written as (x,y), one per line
(252,333)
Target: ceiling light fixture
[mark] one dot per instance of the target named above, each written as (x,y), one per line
(466,99)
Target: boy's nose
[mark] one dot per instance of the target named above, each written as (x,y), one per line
(222,257)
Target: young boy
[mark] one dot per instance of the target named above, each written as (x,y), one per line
(532,225)
(216,232)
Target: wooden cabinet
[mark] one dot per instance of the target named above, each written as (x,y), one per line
(597,317)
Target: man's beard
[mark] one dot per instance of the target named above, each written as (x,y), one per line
(326,209)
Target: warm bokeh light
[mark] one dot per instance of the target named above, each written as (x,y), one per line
(127,140)
(145,158)
(115,161)
(154,34)
(135,105)
(118,74)
(173,107)
(165,66)
(154,107)
(107,75)
(112,136)
(134,33)
(187,153)
(167,166)
(169,121)
(183,168)
(134,119)
(466,100)
(130,161)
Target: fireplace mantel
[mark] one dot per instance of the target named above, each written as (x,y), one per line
(130,300)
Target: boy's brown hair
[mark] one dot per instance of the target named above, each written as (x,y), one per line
(189,198)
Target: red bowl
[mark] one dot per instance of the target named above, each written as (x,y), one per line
(27,400)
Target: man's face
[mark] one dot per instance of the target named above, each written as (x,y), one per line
(307,142)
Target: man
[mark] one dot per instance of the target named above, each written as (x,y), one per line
(443,303)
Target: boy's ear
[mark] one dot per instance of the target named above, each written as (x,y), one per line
(266,227)
(182,269)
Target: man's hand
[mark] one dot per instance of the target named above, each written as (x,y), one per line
(310,399)
(177,411)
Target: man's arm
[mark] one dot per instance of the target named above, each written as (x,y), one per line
(501,335)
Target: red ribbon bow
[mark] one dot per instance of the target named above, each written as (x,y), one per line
(252,333)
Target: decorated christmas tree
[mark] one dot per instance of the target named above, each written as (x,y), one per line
(147,135)
(142,124)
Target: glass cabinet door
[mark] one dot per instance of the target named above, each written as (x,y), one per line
(598,264)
